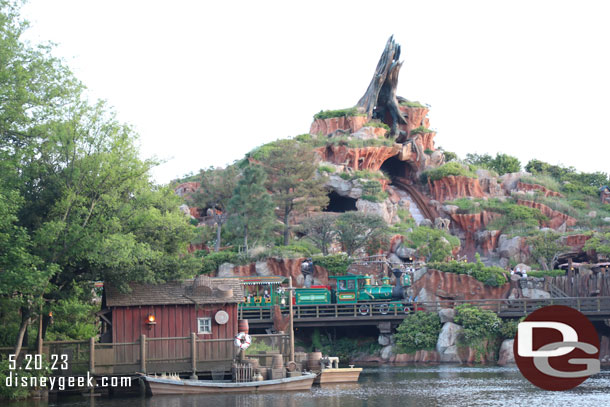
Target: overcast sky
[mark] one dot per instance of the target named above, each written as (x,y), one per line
(205,82)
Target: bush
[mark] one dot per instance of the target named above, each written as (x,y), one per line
(418,331)
(481,329)
(414,104)
(211,262)
(450,156)
(466,205)
(488,275)
(335,264)
(327,114)
(547,273)
(434,244)
(421,130)
(326,168)
(445,170)
(377,123)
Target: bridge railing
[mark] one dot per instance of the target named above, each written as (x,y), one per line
(504,307)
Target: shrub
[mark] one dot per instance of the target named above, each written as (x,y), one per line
(450,156)
(212,261)
(541,179)
(418,331)
(547,273)
(376,123)
(434,244)
(336,264)
(578,204)
(326,168)
(428,151)
(304,138)
(445,170)
(327,114)
(466,205)
(488,275)
(421,130)
(481,328)
(414,104)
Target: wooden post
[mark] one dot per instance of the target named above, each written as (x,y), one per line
(92,355)
(291,319)
(194,355)
(143,353)
(40,332)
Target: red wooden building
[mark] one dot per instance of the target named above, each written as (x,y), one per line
(173,311)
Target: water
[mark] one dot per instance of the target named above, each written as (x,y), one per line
(442,385)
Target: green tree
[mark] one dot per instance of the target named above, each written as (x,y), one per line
(77,204)
(501,163)
(251,206)
(214,193)
(291,172)
(320,229)
(544,247)
(433,244)
(356,229)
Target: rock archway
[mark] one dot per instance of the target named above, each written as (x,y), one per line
(396,168)
(338,203)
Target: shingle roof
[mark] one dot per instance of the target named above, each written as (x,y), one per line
(201,290)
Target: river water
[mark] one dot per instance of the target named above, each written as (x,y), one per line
(441,385)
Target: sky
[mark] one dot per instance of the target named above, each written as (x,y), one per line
(205,82)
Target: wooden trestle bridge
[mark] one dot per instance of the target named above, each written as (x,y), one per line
(373,313)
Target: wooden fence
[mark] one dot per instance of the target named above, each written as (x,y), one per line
(153,355)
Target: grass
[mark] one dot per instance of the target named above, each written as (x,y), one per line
(445,170)
(377,123)
(364,174)
(414,104)
(544,180)
(328,114)
(421,130)
(326,168)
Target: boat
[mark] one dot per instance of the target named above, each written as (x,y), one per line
(158,385)
(331,372)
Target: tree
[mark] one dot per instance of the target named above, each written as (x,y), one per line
(544,247)
(501,163)
(76,201)
(418,331)
(433,244)
(320,229)
(251,207)
(356,229)
(217,186)
(291,172)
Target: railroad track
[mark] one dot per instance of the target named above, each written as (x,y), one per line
(422,202)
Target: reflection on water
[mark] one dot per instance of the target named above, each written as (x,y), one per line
(389,386)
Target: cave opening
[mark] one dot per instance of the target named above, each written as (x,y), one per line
(394,168)
(338,203)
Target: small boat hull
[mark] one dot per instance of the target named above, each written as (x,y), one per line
(340,375)
(157,386)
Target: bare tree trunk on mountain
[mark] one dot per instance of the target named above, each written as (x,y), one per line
(380,96)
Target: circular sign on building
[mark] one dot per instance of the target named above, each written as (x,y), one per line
(221,317)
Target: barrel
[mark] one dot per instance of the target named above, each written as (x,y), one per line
(277,361)
(313,360)
(300,357)
(242,326)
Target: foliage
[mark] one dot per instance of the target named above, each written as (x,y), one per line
(489,275)
(421,130)
(258,345)
(326,168)
(544,246)
(481,328)
(418,331)
(346,348)
(372,191)
(20,392)
(356,229)
(466,205)
(261,153)
(73,318)
(415,104)
(508,329)
(501,163)
(542,179)
(363,174)
(450,156)
(327,114)
(445,170)
(571,180)
(546,273)
(320,230)
(434,244)
(377,123)
(251,208)
(428,151)
(351,142)
(600,243)
(291,179)
(336,264)
(77,202)
(515,217)
(211,262)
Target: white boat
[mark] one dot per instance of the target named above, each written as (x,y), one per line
(158,385)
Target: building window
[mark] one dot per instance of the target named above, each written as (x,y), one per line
(204,325)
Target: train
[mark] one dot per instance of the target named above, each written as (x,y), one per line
(266,292)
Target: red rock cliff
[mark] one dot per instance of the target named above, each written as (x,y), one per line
(283,267)
(363,158)
(472,223)
(521,186)
(556,218)
(452,187)
(439,285)
(327,126)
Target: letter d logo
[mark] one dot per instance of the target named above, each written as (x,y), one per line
(556,348)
